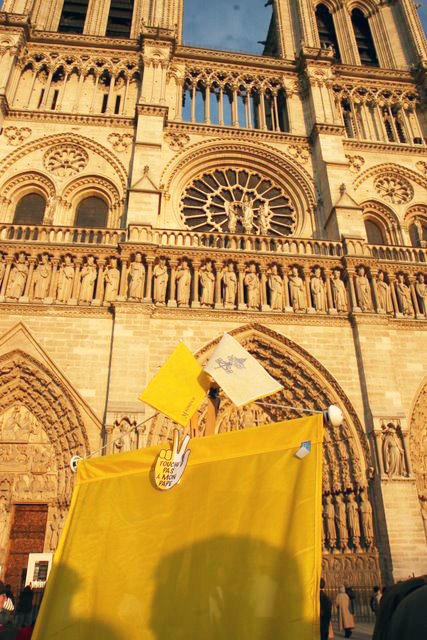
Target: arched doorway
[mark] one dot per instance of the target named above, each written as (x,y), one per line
(350,555)
(40,429)
(418,447)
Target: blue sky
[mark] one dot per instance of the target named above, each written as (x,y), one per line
(233,24)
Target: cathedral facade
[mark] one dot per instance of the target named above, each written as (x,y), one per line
(152,192)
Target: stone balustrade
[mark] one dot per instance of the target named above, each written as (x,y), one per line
(50,234)
(210,277)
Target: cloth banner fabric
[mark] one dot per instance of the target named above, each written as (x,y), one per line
(238,373)
(233,552)
(179,388)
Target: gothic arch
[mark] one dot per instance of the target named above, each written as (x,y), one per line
(92,185)
(417,445)
(388,168)
(385,218)
(309,385)
(205,156)
(21,185)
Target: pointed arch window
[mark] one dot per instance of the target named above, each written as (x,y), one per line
(364,40)
(30,209)
(73,16)
(92,212)
(120,19)
(375,233)
(326,29)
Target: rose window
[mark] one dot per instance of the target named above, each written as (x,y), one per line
(65,161)
(394,189)
(237,201)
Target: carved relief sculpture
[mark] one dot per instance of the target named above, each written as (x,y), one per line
(161,277)
(393,453)
(42,278)
(247,214)
(385,302)
(230,211)
(17,278)
(420,290)
(65,280)
(2,270)
(88,278)
(112,281)
(230,286)
(263,218)
(252,287)
(183,278)
(207,280)
(404,295)
(275,285)
(136,279)
(363,290)
(317,287)
(297,291)
(339,293)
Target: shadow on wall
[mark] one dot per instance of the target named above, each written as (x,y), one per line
(227,587)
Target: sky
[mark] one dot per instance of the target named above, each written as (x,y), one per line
(233,24)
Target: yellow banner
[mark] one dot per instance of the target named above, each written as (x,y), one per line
(233,552)
(179,388)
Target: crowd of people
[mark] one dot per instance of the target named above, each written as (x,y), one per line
(16,614)
(399,611)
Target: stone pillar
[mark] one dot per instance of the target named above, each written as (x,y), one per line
(310,308)
(123,280)
(53,278)
(28,285)
(76,284)
(149,282)
(329,297)
(218,300)
(264,304)
(195,303)
(397,313)
(99,293)
(172,285)
(241,290)
(9,261)
(286,292)
(353,299)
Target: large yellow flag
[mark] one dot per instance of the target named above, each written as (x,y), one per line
(179,388)
(233,552)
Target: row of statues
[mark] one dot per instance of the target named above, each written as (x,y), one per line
(227,286)
(347,522)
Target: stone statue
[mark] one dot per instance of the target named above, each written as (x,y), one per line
(229,279)
(363,290)
(393,454)
(207,280)
(248,214)
(329,517)
(404,294)
(112,282)
(353,520)
(341,520)
(384,294)
(339,293)
(230,211)
(297,291)
(366,515)
(136,279)
(128,440)
(4,516)
(183,279)
(263,218)
(65,280)
(252,287)
(88,278)
(161,278)
(42,278)
(17,278)
(317,287)
(421,291)
(275,285)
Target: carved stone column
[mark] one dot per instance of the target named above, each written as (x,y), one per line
(123,280)
(99,293)
(310,308)
(288,306)
(374,289)
(264,304)
(218,278)
(108,439)
(149,281)
(397,313)
(76,284)
(414,298)
(241,291)
(53,278)
(195,303)
(29,284)
(172,285)
(329,297)
(9,261)
(350,277)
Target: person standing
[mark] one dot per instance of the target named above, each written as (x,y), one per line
(374,602)
(345,617)
(325,612)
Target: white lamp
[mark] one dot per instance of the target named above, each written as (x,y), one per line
(333,416)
